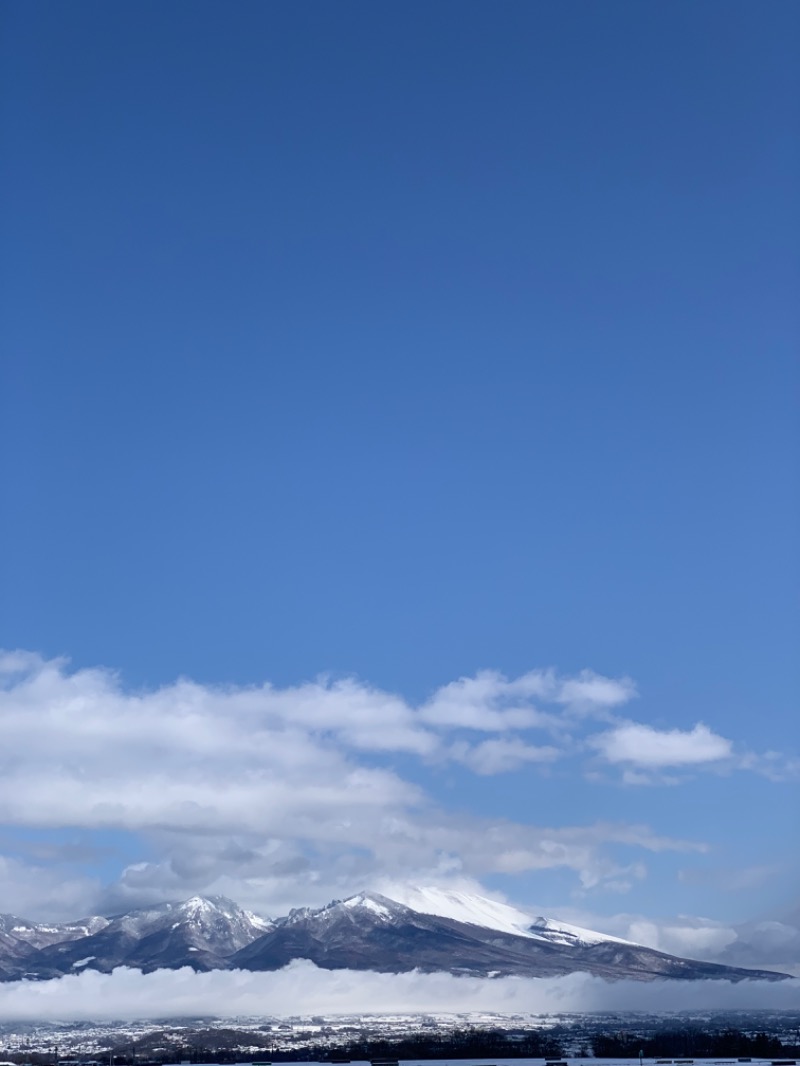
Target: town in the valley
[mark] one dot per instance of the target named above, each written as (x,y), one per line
(674,1038)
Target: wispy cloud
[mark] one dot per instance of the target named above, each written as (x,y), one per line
(502,754)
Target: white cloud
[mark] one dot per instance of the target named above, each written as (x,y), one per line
(490,702)
(37,889)
(280,797)
(689,937)
(493,703)
(644,746)
(271,874)
(774,765)
(765,945)
(774,944)
(592,692)
(502,754)
(296,763)
(19,661)
(129,994)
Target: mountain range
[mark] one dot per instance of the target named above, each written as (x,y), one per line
(430,930)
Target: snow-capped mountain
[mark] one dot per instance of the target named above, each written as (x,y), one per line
(426,929)
(201,933)
(19,938)
(40,935)
(372,932)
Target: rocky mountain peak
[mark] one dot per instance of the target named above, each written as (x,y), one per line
(431,930)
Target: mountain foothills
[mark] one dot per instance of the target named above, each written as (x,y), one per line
(424,929)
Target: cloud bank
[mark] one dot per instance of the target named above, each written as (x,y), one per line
(284,796)
(301,988)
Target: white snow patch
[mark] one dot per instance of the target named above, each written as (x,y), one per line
(197,905)
(257,920)
(564,933)
(83,962)
(367,903)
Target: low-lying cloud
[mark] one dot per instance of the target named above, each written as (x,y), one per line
(302,988)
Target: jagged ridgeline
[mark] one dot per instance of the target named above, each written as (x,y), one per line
(432,931)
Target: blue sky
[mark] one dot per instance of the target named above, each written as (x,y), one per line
(400,343)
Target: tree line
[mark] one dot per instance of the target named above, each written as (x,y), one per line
(689,1043)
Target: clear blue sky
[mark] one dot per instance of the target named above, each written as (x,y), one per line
(406,340)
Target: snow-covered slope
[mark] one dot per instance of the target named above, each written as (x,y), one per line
(371,902)
(562,933)
(462,907)
(490,914)
(41,934)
